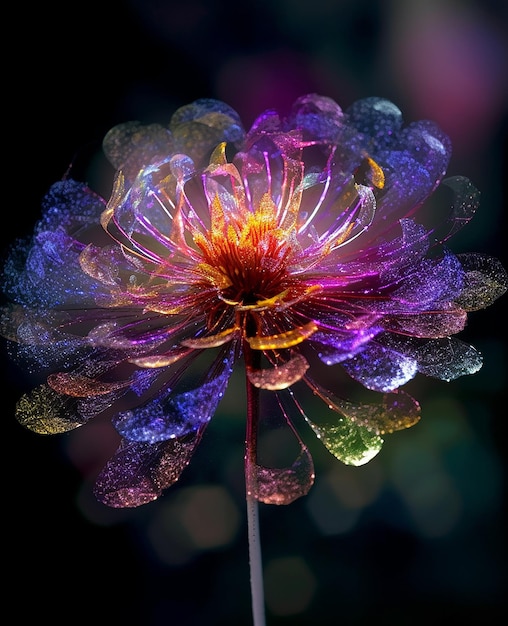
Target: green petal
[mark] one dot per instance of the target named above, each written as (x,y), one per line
(349,442)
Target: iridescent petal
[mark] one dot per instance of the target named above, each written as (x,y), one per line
(376,117)
(172,415)
(430,281)
(130,146)
(427,324)
(53,260)
(389,413)
(42,344)
(273,485)
(211,341)
(485,280)
(465,202)
(381,368)
(338,345)
(70,206)
(79,386)
(313,238)
(446,358)
(354,437)
(320,116)
(139,472)
(348,441)
(281,376)
(46,412)
(283,340)
(202,125)
(428,145)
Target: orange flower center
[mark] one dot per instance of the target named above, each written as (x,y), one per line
(245,256)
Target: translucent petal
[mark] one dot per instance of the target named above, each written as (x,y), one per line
(139,472)
(132,145)
(485,281)
(319,115)
(282,340)
(173,414)
(199,127)
(377,117)
(104,264)
(352,432)
(282,485)
(388,257)
(465,202)
(71,206)
(160,360)
(347,441)
(285,471)
(427,324)
(407,185)
(53,261)
(381,368)
(79,386)
(210,341)
(46,412)
(392,411)
(337,346)
(430,281)
(281,376)
(428,145)
(213,113)
(52,255)
(446,358)
(41,343)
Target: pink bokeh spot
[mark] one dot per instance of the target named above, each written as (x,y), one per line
(451,66)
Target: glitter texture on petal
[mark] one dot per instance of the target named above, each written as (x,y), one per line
(308,247)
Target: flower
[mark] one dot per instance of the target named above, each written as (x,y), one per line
(308,246)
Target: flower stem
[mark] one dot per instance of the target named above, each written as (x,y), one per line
(255,559)
(255,563)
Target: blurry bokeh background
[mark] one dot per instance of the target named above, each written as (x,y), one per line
(416,536)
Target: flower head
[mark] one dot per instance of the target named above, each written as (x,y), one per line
(312,241)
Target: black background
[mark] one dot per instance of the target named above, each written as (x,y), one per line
(73,71)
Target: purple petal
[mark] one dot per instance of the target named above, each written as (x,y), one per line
(139,472)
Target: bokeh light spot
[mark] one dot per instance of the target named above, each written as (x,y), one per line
(210,516)
(196,519)
(428,490)
(289,584)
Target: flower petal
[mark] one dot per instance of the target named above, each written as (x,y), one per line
(445,358)
(139,472)
(280,376)
(392,412)
(282,340)
(427,324)
(485,281)
(47,413)
(172,415)
(79,386)
(273,485)
(381,368)
(347,441)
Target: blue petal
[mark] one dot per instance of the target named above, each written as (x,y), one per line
(170,416)
(380,368)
